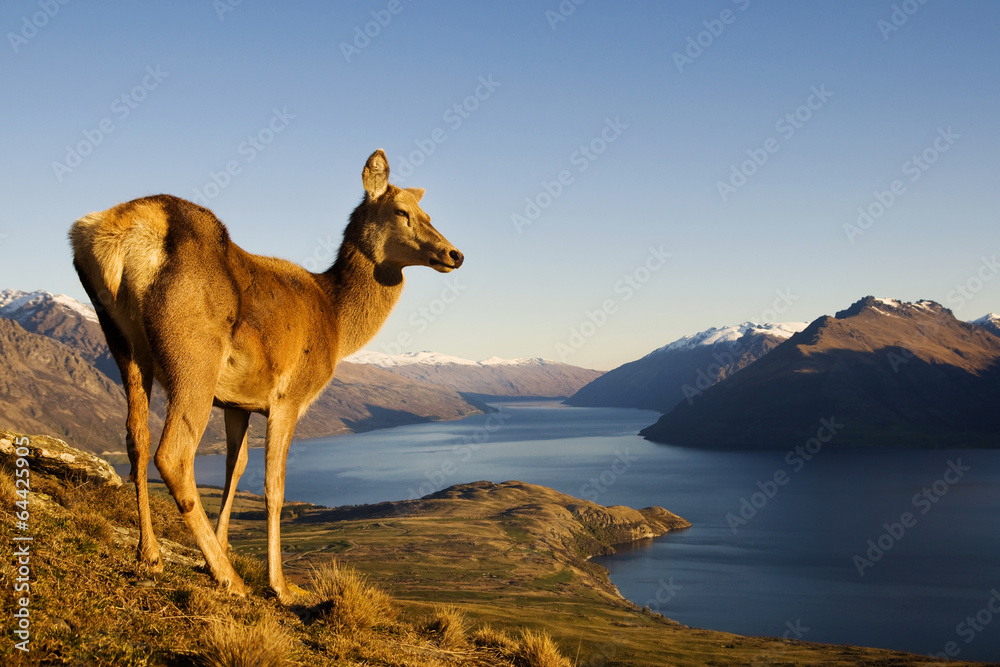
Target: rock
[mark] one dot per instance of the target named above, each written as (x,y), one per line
(54,457)
(170,551)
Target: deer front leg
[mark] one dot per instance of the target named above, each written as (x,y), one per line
(236,462)
(280,428)
(187,416)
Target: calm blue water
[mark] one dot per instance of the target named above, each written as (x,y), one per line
(933,576)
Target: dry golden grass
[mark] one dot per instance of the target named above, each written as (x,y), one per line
(252,570)
(536,649)
(116,504)
(8,489)
(532,649)
(93,605)
(262,644)
(449,626)
(347,600)
(489,637)
(195,601)
(92,525)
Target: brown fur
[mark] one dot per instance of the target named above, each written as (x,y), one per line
(180,302)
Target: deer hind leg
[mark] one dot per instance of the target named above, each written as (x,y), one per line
(188,409)
(137,379)
(280,428)
(236,462)
(138,383)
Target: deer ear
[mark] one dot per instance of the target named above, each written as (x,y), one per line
(418,193)
(375,176)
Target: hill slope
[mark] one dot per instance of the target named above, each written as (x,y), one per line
(684,369)
(48,387)
(886,372)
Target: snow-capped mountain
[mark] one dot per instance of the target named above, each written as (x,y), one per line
(383,360)
(881,372)
(20,306)
(717,335)
(683,369)
(991,321)
(61,318)
(492,377)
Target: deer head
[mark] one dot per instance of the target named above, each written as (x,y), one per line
(393,229)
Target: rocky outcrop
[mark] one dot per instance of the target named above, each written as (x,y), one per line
(54,457)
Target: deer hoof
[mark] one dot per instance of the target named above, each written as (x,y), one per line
(235,587)
(154,562)
(291,595)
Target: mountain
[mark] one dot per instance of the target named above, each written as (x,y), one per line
(684,369)
(64,319)
(491,377)
(49,387)
(991,321)
(364,398)
(882,372)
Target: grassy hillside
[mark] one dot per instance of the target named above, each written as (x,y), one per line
(480,574)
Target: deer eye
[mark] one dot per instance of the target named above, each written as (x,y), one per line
(403,214)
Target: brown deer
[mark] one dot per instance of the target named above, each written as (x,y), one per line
(215,325)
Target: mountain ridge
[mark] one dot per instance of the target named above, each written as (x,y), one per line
(494,377)
(892,372)
(684,368)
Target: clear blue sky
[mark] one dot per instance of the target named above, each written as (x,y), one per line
(664,120)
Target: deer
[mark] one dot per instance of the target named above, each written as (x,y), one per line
(215,325)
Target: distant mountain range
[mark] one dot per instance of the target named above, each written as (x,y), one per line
(491,377)
(57,377)
(887,371)
(683,370)
(882,372)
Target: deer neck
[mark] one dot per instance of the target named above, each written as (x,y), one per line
(363,294)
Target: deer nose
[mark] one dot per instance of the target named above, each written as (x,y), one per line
(457,257)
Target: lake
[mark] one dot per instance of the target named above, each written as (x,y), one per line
(890,548)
